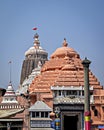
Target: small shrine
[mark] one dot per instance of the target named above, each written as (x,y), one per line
(40,116)
(11,112)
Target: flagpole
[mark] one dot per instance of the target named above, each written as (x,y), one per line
(35,28)
(10,70)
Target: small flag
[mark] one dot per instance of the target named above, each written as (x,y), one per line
(34,28)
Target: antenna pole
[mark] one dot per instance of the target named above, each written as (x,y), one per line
(10,69)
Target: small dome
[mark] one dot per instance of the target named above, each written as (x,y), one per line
(36,49)
(33,50)
(64,51)
(10,88)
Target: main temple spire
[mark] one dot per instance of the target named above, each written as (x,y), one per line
(32,56)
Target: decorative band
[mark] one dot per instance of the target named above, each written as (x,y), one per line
(87,118)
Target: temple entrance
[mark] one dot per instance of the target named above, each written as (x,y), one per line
(70,122)
(71,116)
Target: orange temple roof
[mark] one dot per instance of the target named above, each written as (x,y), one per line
(63,69)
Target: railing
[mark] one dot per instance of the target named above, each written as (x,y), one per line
(10,106)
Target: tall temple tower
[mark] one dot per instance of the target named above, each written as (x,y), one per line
(33,56)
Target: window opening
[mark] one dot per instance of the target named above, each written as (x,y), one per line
(95,112)
(42,114)
(33,114)
(46,114)
(37,114)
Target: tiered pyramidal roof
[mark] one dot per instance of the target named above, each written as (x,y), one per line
(9,96)
(63,69)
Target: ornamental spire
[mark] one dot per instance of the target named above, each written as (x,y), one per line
(36,41)
(65,44)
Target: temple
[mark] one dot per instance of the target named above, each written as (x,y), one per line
(51,93)
(61,85)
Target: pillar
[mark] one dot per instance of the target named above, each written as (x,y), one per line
(87,113)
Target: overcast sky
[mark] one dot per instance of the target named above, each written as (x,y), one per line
(81,22)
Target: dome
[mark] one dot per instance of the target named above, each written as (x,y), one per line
(64,51)
(33,50)
(9,90)
(36,48)
(63,69)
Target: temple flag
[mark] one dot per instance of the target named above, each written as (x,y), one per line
(34,28)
